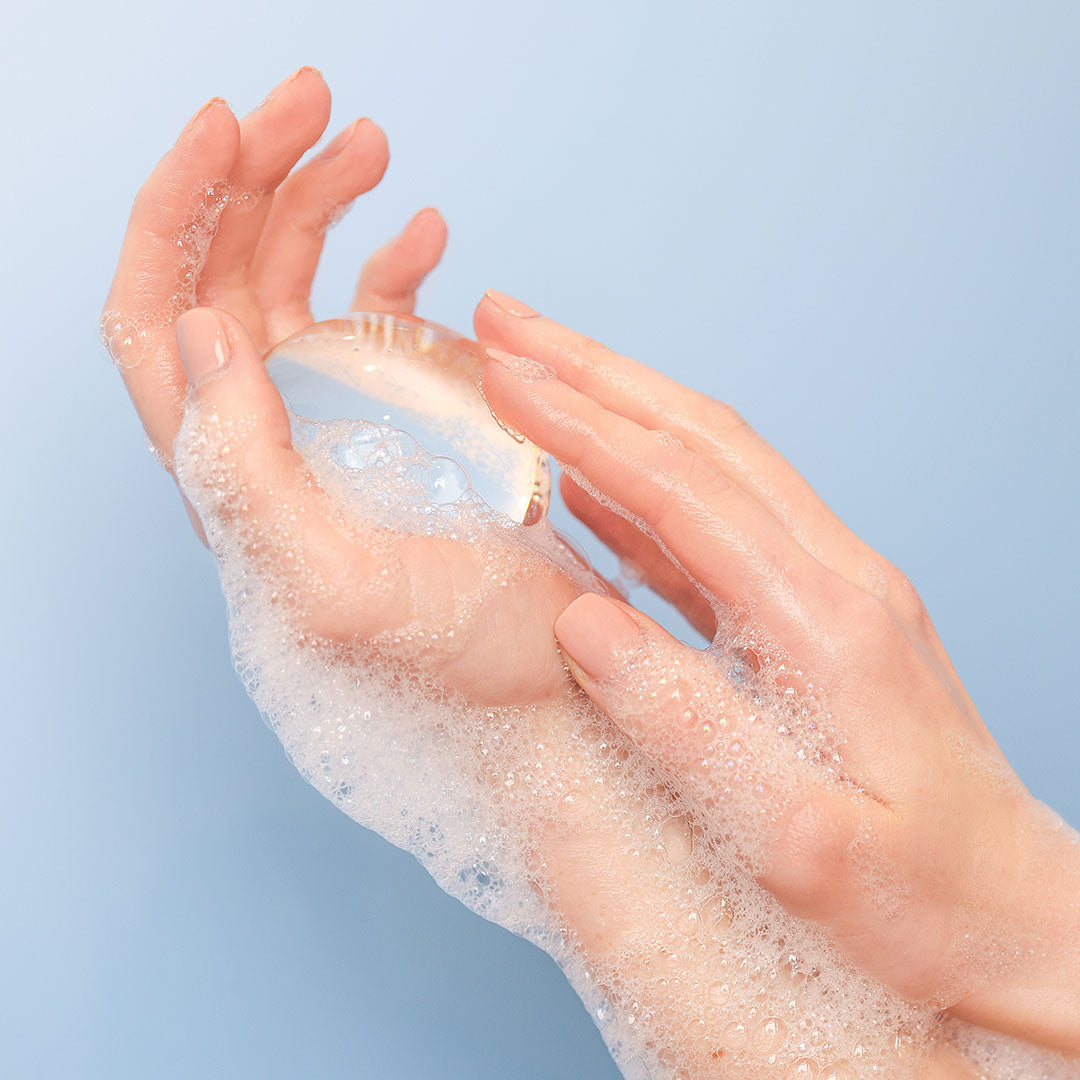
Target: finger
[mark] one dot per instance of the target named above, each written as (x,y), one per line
(642,553)
(793,811)
(273,137)
(305,205)
(254,492)
(391,276)
(718,535)
(171,223)
(713,429)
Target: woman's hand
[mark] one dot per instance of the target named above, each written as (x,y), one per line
(225,219)
(892,819)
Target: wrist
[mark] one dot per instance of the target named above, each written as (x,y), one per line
(1030,985)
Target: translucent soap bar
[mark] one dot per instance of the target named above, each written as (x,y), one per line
(398,373)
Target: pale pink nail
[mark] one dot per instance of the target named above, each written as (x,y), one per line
(510,305)
(204,347)
(594,631)
(521,367)
(339,141)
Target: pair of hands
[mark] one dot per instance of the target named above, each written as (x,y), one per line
(659,473)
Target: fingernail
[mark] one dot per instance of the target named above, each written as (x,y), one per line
(510,305)
(204,346)
(211,104)
(286,82)
(593,631)
(521,367)
(339,141)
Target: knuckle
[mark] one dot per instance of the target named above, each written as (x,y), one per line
(897,583)
(811,856)
(894,589)
(907,598)
(723,418)
(687,483)
(594,353)
(880,641)
(865,623)
(684,470)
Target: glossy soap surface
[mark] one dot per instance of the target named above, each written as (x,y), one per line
(405,379)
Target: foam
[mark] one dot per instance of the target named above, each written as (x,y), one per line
(1001,1058)
(544,817)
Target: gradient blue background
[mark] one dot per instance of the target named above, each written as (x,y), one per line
(860,223)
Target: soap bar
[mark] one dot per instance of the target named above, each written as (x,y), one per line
(398,375)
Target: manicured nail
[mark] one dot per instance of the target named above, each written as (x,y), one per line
(510,305)
(339,141)
(429,213)
(213,103)
(593,631)
(276,92)
(521,367)
(204,346)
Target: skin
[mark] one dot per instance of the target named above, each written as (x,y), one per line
(951,822)
(734,514)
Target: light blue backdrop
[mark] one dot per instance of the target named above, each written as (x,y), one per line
(858,222)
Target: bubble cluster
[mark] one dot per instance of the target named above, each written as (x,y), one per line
(992,1055)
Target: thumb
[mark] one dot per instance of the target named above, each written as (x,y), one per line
(681,709)
(731,754)
(665,696)
(228,383)
(225,371)
(254,493)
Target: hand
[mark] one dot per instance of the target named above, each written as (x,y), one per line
(226,220)
(893,820)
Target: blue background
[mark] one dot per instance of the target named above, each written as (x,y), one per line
(859,223)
